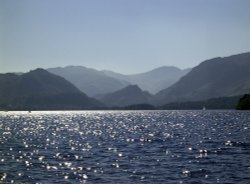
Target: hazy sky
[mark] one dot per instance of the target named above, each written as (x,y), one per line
(127,36)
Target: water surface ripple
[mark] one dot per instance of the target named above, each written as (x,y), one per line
(125,147)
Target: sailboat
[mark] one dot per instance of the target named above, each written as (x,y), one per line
(204,108)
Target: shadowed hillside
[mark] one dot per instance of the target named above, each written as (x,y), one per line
(39,89)
(129,95)
(218,77)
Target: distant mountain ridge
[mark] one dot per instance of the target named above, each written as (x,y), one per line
(39,89)
(94,82)
(90,81)
(154,80)
(218,77)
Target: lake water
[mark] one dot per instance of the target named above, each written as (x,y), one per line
(125,147)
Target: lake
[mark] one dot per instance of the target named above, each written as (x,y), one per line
(125,147)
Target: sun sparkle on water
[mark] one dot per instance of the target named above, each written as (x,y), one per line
(125,146)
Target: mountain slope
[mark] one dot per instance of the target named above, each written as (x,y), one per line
(154,80)
(129,95)
(39,89)
(90,81)
(218,77)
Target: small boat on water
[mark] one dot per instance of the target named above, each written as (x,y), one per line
(204,108)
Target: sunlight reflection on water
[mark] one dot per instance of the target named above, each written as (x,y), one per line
(125,147)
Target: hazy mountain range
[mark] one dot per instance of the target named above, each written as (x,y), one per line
(94,82)
(90,81)
(223,80)
(152,81)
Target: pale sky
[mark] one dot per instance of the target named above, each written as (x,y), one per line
(127,36)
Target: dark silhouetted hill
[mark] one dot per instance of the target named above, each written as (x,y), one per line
(39,89)
(244,103)
(129,95)
(218,77)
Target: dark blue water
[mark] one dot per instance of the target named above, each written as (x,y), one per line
(125,147)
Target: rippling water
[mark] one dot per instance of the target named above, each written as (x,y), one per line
(125,147)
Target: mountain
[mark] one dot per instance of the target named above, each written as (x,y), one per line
(129,95)
(154,80)
(218,77)
(94,82)
(39,89)
(90,81)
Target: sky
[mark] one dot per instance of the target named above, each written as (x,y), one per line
(126,36)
